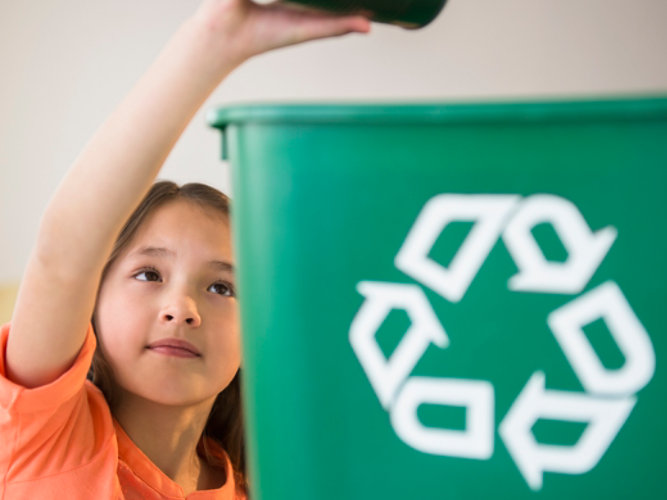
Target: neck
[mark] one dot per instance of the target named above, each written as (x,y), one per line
(168,436)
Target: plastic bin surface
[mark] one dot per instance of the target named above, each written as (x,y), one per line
(452,301)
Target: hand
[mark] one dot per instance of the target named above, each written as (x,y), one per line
(247,29)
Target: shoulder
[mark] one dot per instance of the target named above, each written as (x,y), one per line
(57,438)
(56,427)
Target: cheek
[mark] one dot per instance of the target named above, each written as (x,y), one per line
(118,320)
(226,336)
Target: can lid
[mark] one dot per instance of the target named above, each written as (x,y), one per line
(623,107)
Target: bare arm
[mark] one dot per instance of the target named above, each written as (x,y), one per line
(117,167)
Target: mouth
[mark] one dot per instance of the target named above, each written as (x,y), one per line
(174,347)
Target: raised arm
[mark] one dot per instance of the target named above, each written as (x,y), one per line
(117,167)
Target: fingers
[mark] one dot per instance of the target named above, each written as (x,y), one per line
(329,26)
(245,29)
(291,26)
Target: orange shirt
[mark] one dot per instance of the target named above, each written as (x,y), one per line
(60,441)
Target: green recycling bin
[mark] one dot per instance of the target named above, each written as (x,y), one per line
(452,301)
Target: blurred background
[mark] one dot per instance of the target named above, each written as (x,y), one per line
(67,63)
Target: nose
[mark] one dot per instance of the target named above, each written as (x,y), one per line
(180,309)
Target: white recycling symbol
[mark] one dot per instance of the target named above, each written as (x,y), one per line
(609,395)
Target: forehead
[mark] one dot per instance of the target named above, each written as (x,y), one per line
(184,226)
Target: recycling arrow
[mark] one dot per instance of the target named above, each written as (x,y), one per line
(488,212)
(604,417)
(605,302)
(386,375)
(475,441)
(585,249)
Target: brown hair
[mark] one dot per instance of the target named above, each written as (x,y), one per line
(225,422)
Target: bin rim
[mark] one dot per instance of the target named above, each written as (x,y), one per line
(581,109)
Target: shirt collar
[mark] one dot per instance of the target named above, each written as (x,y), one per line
(149,473)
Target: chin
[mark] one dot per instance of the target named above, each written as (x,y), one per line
(170,393)
(178,397)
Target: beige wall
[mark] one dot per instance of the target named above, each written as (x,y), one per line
(7,297)
(65,63)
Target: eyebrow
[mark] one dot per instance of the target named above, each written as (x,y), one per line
(155,252)
(220,265)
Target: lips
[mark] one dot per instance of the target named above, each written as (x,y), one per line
(174,347)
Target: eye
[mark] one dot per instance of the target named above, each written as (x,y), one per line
(222,288)
(149,274)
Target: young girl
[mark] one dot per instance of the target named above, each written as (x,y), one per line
(164,338)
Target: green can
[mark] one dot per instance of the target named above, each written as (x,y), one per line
(411,14)
(456,301)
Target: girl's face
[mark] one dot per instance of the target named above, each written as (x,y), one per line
(166,315)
